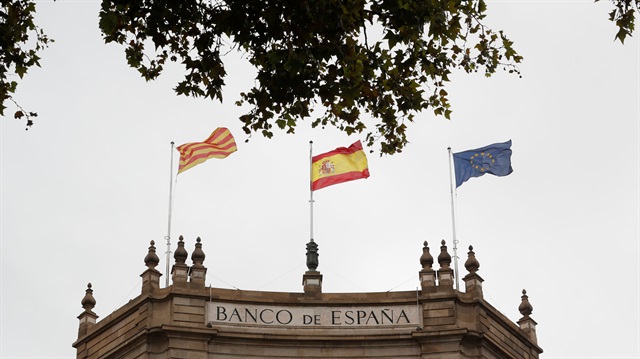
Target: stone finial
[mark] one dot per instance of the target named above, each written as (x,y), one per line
(472,281)
(445,273)
(180,271)
(151,276)
(426,260)
(444,259)
(312,256)
(427,274)
(526,323)
(198,271)
(180,254)
(88,302)
(525,307)
(87,317)
(152,260)
(198,255)
(472,263)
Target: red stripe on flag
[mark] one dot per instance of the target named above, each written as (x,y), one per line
(220,144)
(345,177)
(355,147)
(191,148)
(211,153)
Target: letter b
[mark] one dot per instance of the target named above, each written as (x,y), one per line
(221,314)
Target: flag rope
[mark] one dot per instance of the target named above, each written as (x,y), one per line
(453,223)
(220,279)
(413,277)
(280,276)
(168,236)
(311,190)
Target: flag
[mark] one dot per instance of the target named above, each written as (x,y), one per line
(340,165)
(219,145)
(494,159)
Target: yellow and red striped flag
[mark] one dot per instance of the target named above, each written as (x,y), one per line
(219,145)
(340,165)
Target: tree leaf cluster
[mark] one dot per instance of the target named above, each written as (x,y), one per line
(369,65)
(624,15)
(20,44)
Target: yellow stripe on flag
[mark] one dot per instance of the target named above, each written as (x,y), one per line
(219,145)
(340,165)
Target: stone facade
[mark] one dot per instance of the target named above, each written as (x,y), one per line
(190,320)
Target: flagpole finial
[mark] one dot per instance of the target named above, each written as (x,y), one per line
(172,143)
(449,148)
(310,141)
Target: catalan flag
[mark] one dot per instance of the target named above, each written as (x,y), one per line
(340,165)
(494,159)
(219,145)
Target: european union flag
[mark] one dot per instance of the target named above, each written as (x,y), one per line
(494,159)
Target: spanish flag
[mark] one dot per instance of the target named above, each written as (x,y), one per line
(219,145)
(340,165)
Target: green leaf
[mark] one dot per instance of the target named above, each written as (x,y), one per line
(482,6)
(108,22)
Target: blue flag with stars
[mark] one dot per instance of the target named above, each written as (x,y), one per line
(494,159)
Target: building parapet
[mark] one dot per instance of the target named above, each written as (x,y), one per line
(188,319)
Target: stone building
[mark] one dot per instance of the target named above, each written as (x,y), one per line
(190,320)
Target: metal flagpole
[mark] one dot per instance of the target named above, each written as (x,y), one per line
(453,222)
(311,189)
(168,236)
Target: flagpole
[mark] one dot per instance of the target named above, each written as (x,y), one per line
(453,222)
(311,190)
(168,236)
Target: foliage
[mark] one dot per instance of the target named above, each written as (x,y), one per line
(20,42)
(308,54)
(623,14)
(316,53)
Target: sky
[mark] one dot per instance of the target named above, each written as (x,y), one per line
(86,189)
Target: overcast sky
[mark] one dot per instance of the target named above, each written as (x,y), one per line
(85,190)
